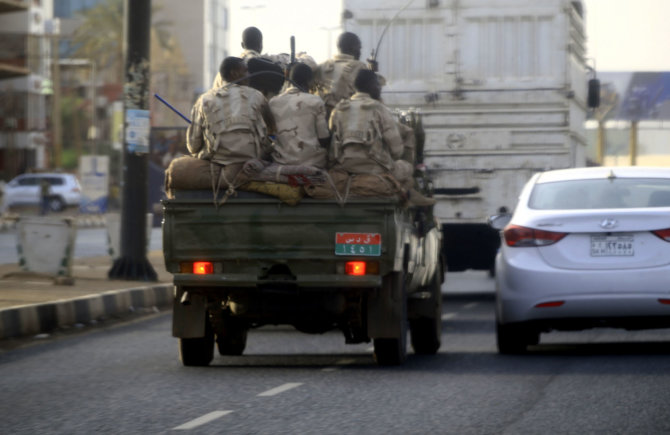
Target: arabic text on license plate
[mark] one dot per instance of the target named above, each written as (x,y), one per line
(368,244)
(612,246)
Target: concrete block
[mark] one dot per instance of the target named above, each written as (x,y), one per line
(46,244)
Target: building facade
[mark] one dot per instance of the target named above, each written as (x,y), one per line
(24,86)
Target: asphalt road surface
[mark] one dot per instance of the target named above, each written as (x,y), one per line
(126,378)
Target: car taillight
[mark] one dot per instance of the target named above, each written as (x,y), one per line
(518,236)
(663,234)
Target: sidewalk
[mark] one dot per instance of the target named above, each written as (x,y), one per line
(31,303)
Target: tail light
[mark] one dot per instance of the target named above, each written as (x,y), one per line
(197,267)
(518,236)
(663,234)
(355,268)
(360,268)
(203,268)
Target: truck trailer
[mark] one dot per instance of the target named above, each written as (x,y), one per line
(502,86)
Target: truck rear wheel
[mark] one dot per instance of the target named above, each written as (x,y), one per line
(232,338)
(197,352)
(426,332)
(393,351)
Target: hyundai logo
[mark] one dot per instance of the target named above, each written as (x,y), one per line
(608,224)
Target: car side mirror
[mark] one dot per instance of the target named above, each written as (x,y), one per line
(499,221)
(594,93)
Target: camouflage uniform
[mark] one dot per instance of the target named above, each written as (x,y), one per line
(335,79)
(365,136)
(228,125)
(301,122)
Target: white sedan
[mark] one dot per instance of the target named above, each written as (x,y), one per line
(585,247)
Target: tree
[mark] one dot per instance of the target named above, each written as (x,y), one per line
(100,38)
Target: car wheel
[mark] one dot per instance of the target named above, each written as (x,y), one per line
(197,352)
(231,338)
(515,338)
(393,351)
(426,332)
(56,203)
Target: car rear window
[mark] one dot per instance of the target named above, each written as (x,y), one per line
(601,193)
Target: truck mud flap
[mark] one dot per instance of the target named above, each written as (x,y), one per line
(387,308)
(188,319)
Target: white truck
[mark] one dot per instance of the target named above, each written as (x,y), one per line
(502,87)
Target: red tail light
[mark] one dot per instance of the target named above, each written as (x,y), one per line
(663,234)
(203,268)
(356,268)
(518,236)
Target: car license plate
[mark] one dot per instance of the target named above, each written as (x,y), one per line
(612,246)
(367,244)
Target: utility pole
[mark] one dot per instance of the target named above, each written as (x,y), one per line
(133,263)
(56,120)
(633,142)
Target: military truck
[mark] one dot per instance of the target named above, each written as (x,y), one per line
(368,266)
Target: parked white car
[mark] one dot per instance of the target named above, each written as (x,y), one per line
(65,191)
(585,247)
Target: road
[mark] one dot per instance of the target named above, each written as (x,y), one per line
(127,379)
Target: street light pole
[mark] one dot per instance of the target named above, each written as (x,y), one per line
(56,126)
(133,263)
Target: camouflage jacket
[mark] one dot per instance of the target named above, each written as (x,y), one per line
(301,122)
(228,125)
(365,136)
(335,78)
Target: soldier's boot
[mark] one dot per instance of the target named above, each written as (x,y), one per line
(416,198)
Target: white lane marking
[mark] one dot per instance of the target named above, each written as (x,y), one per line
(280,389)
(448,316)
(207,418)
(470,305)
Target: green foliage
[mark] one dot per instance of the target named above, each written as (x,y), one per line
(69,159)
(100,36)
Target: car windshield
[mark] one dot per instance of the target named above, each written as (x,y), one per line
(601,193)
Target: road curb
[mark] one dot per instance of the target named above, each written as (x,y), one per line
(27,320)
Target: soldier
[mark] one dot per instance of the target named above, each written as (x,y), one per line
(302,131)
(252,47)
(366,139)
(230,124)
(335,77)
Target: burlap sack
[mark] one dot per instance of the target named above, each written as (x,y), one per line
(291,195)
(355,186)
(190,173)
